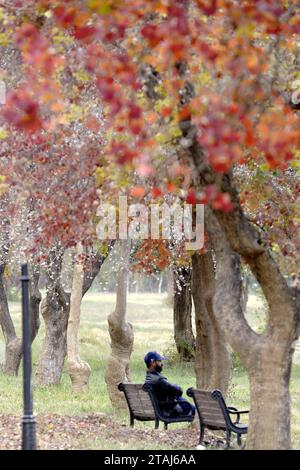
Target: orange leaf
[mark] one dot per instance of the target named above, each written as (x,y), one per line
(137,192)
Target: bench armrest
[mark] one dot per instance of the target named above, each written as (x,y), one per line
(233,410)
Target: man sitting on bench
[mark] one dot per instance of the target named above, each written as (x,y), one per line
(169,396)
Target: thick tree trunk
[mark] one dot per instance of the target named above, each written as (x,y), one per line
(79,370)
(13,344)
(182,311)
(268,356)
(55,311)
(204,344)
(51,361)
(212,358)
(121,334)
(269,376)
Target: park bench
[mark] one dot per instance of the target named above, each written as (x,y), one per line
(143,405)
(215,415)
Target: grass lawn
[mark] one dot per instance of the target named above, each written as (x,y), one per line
(152,320)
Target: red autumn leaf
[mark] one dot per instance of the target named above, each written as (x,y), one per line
(134,111)
(222,202)
(64,17)
(220,163)
(85,32)
(191,197)
(105,86)
(177,50)
(27,32)
(156,192)
(166,111)
(22,111)
(152,34)
(171,188)
(122,153)
(185,113)
(209,7)
(137,192)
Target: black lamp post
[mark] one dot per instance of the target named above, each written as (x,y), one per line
(28,421)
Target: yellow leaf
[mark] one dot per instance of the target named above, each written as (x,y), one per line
(3,135)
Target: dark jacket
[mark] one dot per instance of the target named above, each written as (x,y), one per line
(166,393)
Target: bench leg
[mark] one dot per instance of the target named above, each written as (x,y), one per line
(202,429)
(239,439)
(156,423)
(228,438)
(166,426)
(131,421)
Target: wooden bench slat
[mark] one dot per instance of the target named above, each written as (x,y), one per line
(144,415)
(215,413)
(138,409)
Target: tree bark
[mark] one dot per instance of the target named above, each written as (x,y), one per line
(268,356)
(79,370)
(269,377)
(212,358)
(55,309)
(121,335)
(35,300)
(182,314)
(13,344)
(245,291)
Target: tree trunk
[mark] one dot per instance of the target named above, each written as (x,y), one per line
(35,300)
(183,331)
(269,376)
(78,369)
(212,357)
(13,344)
(245,291)
(121,334)
(55,310)
(268,356)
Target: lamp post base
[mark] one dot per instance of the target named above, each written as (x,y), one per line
(28,433)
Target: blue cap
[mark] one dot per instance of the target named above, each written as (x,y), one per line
(153,355)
